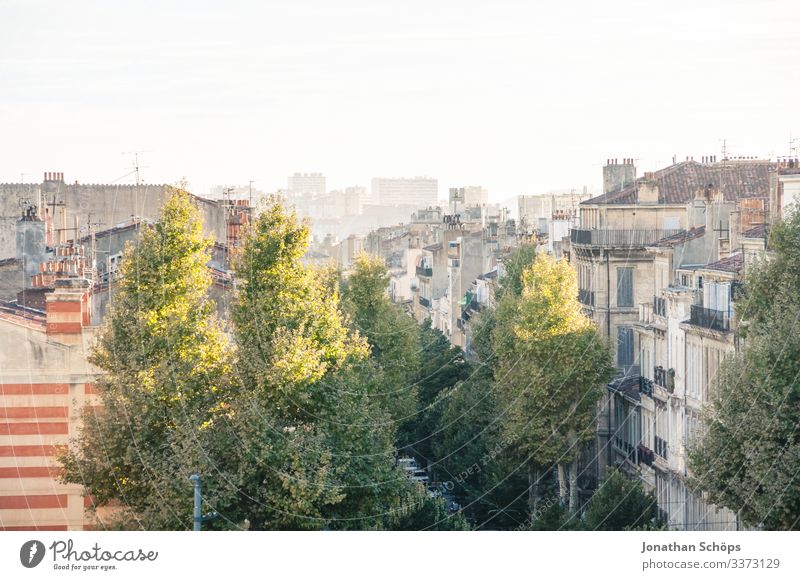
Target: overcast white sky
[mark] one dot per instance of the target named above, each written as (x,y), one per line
(521,97)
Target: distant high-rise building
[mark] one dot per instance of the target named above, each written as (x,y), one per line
(313,183)
(470,195)
(353,198)
(417,191)
(536,210)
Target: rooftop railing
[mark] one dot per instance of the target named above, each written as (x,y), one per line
(619,238)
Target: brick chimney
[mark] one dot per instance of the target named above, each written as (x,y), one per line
(68,309)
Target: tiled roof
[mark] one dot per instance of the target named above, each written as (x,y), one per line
(678,183)
(756,232)
(732,263)
(9,262)
(681,237)
(433,247)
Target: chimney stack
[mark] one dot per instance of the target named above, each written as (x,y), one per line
(68,309)
(617,176)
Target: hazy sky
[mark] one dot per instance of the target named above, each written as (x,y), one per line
(521,97)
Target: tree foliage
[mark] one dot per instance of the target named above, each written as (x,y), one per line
(620,503)
(165,366)
(307,438)
(392,335)
(551,368)
(441,367)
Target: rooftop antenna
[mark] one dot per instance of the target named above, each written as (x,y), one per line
(251,193)
(793,148)
(92,243)
(136,168)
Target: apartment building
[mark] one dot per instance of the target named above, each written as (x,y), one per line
(534,211)
(416,191)
(708,221)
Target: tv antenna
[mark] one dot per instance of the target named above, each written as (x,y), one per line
(136,166)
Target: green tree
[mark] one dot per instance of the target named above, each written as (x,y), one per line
(393,336)
(306,444)
(620,503)
(748,457)
(442,366)
(470,453)
(165,365)
(419,511)
(551,365)
(520,260)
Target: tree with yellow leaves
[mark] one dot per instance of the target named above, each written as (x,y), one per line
(551,368)
(165,363)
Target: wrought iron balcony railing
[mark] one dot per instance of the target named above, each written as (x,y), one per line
(709,318)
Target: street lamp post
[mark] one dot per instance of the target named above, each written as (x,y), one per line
(198,498)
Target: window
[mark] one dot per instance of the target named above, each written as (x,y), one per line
(647,370)
(694,367)
(718,296)
(625,287)
(624,346)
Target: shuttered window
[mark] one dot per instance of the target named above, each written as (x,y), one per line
(624,346)
(624,286)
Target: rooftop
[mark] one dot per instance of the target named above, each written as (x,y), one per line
(756,232)
(680,238)
(678,183)
(733,263)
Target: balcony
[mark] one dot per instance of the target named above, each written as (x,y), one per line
(424,302)
(646,386)
(708,318)
(625,448)
(424,271)
(619,238)
(586,297)
(660,306)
